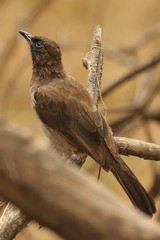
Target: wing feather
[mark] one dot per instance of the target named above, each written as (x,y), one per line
(78,123)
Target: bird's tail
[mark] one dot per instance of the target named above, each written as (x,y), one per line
(135,191)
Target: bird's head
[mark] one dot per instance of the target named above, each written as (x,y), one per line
(46,54)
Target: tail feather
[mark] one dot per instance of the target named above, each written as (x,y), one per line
(135,191)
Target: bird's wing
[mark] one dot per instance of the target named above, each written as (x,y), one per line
(79,124)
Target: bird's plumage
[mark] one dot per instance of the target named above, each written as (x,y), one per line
(74,116)
(73,121)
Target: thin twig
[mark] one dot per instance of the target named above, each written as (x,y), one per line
(150,64)
(148,35)
(127,55)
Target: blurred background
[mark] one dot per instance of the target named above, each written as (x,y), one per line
(131,38)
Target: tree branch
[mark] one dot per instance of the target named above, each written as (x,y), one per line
(12,222)
(93,62)
(128,146)
(62,198)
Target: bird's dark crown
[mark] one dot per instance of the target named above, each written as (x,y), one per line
(43,50)
(46,55)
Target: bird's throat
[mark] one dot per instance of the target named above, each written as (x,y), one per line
(48,70)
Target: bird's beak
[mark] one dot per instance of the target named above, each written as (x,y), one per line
(26,35)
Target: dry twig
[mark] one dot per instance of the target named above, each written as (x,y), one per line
(150,64)
(94,63)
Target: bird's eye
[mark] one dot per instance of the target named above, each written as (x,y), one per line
(39,44)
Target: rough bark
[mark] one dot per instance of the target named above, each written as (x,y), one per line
(59,196)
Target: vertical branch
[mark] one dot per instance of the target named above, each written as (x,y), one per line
(93,62)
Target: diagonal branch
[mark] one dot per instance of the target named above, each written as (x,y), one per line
(12,222)
(64,199)
(150,64)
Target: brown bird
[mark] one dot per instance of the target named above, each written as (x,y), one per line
(72,121)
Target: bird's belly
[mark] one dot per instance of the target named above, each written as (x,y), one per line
(62,147)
